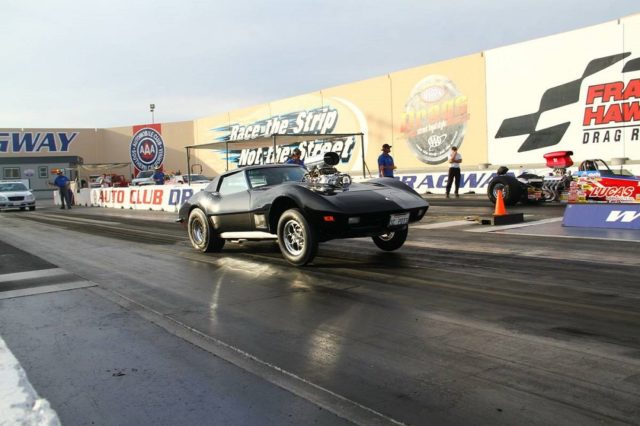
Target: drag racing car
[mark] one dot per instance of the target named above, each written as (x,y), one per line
(594,181)
(301,208)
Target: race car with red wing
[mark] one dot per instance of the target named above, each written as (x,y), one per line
(301,207)
(593,182)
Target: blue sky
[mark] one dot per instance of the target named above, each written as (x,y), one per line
(100,63)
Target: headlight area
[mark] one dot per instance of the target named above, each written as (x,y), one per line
(418,214)
(30,197)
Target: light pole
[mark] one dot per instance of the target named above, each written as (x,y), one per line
(152,107)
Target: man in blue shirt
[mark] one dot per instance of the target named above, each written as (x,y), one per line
(295,158)
(62,182)
(385,162)
(158,176)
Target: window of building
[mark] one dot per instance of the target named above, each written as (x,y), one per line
(11,173)
(43,172)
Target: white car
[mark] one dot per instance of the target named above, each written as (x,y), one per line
(145,177)
(193,178)
(16,195)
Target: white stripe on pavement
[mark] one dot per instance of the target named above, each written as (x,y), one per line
(31,291)
(442,224)
(30,275)
(489,228)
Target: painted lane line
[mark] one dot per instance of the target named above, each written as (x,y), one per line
(517,225)
(54,288)
(101,223)
(577,237)
(30,275)
(75,219)
(442,224)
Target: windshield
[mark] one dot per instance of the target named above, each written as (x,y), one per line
(197,177)
(8,187)
(145,174)
(274,176)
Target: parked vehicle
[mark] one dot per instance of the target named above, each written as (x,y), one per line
(111,180)
(191,178)
(145,177)
(300,208)
(16,195)
(93,181)
(593,181)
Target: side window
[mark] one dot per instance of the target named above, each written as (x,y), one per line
(11,173)
(233,183)
(43,172)
(257,178)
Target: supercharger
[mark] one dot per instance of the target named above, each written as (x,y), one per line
(322,174)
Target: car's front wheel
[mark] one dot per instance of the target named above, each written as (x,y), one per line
(297,240)
(391,240)
(201,233)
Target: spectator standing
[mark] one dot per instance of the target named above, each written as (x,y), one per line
(158,176)
(295,158)
(386,165)
(62,182)
(454,170)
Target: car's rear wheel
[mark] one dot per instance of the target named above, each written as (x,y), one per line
(297,240)
(391,240)
(201,233)
(510,187)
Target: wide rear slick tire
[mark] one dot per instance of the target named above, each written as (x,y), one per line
(201,233)
(392,240)
(511,190)
(297,239)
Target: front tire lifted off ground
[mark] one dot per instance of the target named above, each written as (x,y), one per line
(391,240)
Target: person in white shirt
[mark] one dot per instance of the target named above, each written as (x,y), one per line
(454,170)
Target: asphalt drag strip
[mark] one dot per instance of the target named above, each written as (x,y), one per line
(94,356)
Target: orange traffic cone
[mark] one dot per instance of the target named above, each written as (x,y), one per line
(500,210)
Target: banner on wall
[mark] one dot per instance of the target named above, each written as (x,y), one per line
(335,117)
(36,142)
(577,91)
(152,197)
(435,118)
(147,147)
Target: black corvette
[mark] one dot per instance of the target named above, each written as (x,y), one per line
(300,208)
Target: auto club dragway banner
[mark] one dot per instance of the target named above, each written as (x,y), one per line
(147,147)
(335,116)
(577,91)
(149,197)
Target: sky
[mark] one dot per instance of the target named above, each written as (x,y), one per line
(101,63)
